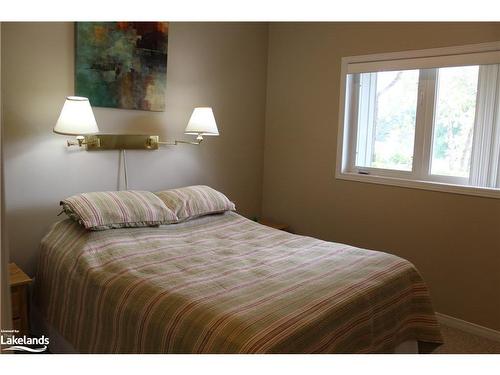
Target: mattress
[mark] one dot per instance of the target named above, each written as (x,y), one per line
(225,284)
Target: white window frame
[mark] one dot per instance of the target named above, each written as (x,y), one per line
(420,177)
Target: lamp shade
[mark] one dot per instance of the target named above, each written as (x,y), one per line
(202,122)
(76,117)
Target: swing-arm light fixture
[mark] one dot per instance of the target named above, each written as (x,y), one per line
(77,119)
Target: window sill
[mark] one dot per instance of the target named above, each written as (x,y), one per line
(419,184)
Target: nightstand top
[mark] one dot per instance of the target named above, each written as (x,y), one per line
(271,224)
(17,276)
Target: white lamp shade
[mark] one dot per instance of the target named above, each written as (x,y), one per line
(202,122)
(76,117)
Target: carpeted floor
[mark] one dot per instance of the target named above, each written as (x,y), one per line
(459,342)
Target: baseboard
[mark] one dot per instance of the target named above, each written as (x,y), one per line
(469,327)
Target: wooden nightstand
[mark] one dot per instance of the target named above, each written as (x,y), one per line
(271,224)
(19,282)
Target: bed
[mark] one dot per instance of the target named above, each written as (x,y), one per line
(225,284)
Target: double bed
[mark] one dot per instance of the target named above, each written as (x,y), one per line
(225,284)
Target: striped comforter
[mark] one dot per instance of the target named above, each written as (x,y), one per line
(225,284)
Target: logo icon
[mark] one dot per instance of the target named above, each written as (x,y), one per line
(22,343)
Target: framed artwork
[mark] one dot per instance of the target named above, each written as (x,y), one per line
(122,64)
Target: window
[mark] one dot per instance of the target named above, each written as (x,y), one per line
(456,96)
(387,109)
(427,119)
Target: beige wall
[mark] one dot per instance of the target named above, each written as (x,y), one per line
(220,65)
(452,239)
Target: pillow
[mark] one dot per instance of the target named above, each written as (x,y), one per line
(194,201)
(117,209)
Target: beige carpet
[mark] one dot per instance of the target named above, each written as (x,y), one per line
(459,342)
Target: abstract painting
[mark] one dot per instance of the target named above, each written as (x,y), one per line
(122,64)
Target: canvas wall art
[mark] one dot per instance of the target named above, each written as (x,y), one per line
(122,64)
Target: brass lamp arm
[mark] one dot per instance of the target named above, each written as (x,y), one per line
(81,140)
(99,142)
(176,142)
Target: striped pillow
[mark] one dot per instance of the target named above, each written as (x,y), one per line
(117,209)
(194,201)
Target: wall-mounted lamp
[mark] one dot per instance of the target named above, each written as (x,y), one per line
(202,122)
(77,118)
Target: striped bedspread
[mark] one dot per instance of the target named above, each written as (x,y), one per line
(225,284)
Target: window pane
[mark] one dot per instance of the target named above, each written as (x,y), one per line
(386,119)
(454,121)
